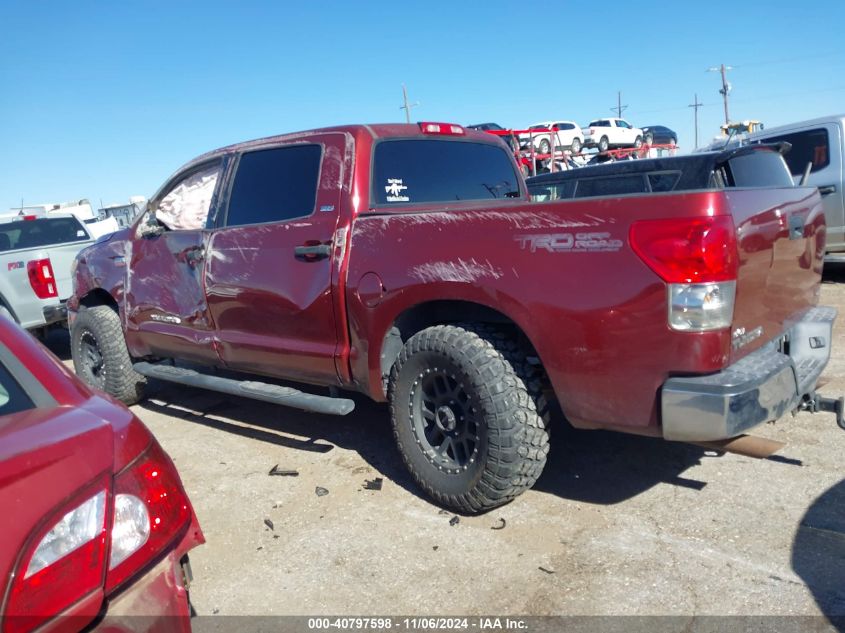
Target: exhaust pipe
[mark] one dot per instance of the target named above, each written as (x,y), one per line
(747,445)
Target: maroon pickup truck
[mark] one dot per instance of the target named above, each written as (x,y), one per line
(408,263)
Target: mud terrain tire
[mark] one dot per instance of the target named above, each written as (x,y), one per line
(469,416)
(100,356)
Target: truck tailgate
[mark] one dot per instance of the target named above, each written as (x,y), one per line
(781,237)
(62,256)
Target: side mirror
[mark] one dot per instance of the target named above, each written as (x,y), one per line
(150,227)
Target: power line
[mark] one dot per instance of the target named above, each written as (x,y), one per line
(787,60)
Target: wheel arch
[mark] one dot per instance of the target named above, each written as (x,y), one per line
(425,314)
(98,297)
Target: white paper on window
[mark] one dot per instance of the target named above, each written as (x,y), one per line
(186,206)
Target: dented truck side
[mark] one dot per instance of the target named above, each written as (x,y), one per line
(690,315)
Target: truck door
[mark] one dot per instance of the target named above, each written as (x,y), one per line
(270,264)
(166,312)
(820,145)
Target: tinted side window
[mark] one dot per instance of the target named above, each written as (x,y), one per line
(419,171)
(610,186)
(566,126)
(273,185)
(811,146)
(665,181)
(759,169)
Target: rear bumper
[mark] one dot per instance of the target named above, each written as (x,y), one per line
(761,387)
(55,313)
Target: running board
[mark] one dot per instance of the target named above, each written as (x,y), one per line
(248,389)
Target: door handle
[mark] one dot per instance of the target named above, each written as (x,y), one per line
(826,190)
(313,252)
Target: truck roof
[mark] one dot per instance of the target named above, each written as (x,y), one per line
(374,130)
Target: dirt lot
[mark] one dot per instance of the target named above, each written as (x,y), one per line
(616,525)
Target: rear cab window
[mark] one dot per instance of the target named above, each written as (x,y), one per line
(21,234)
(419,171)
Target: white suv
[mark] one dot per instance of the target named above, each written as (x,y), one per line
(607,133)
(568,135)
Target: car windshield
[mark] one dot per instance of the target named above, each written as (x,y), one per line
(539,127)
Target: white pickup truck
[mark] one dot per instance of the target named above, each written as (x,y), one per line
(612,132)
(36,254)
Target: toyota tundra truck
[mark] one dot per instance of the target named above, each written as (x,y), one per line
(407,262)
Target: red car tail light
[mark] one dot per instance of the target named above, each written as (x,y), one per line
(698,258)
(42,279)
(65,564)
(151,511)
(449,129)
(688,250)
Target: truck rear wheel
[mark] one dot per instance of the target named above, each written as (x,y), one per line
(100,356)
(468,416)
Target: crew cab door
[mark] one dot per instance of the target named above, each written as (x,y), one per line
(269,270)
(166,312)
(820,146)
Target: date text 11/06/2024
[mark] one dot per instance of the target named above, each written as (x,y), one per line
(479,623)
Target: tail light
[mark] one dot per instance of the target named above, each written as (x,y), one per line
(64,565)
(449,129)
(151,510)
(76,555)
(42,279)
(698,258)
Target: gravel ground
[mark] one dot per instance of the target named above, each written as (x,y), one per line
(616,525)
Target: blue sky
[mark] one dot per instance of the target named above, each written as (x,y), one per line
(103,100)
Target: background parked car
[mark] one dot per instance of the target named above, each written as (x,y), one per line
(99,524)
(612,132)
(659,135)
(568,136)
(495,127)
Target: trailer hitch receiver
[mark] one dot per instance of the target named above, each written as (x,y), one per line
(819,403)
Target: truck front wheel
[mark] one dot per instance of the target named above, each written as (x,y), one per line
(100,356)
(468,416)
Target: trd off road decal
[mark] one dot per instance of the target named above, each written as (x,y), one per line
(393,188)
(569,242)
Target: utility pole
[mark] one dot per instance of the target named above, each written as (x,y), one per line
(695,105)
(407,107)
(726,87)
(619,109)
